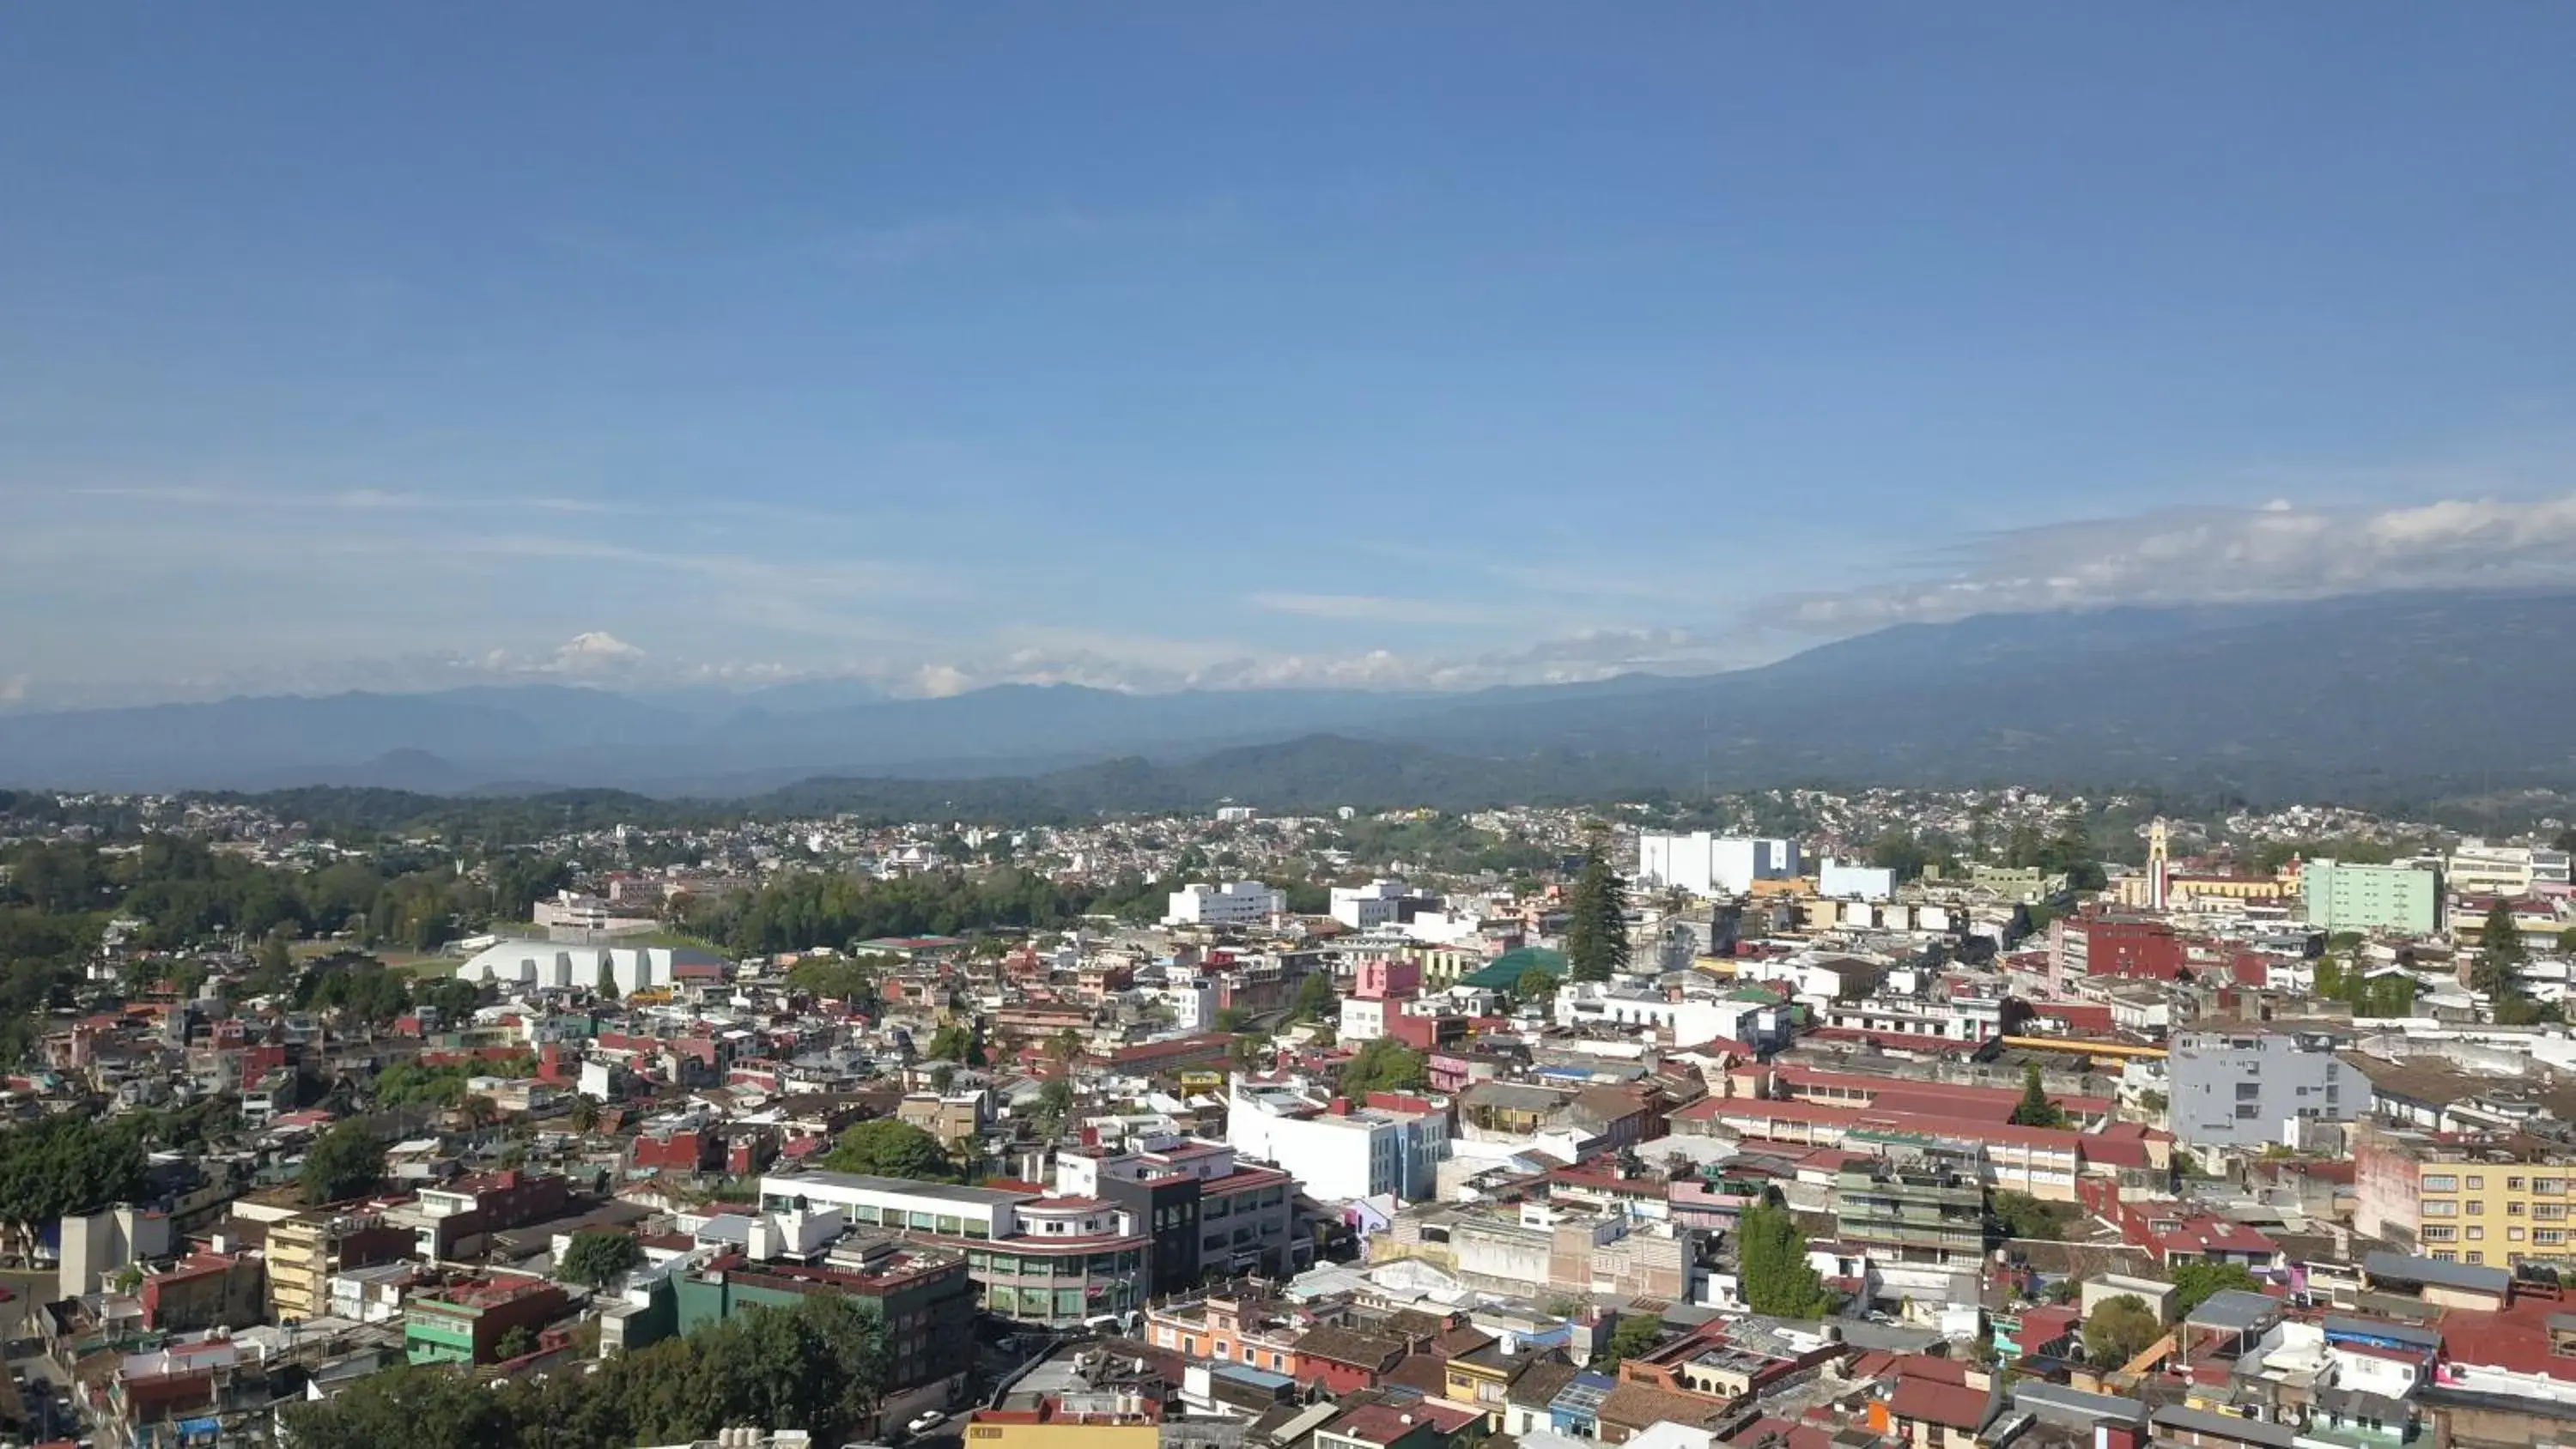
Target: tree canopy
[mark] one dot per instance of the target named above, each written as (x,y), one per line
(2036,1108)
(598,1256)
(1771,1263)
(2197,1281)
(2120,1329)
(1596,926)
(344,1162)
(819,1366)
(1637,1333)
(888,1148)
(1385,1065)
(67,1164)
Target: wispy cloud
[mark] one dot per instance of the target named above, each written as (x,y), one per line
(2277,551)
(1377,608)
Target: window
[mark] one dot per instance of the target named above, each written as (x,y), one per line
(2477,1183)
(2513,1184)
(2477,1208)
(2549,1184)
(2248,1111)
(2476,1233)
(2440,1182)
(2474,1257)
(2435,1209)
(2436,1233)
(2248,1091)
(2513,1235)
(2549,1235)
(2513,1209)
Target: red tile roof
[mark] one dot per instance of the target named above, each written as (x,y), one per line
(1954,1406)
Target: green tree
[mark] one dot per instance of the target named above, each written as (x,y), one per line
(275,958)
(1315,1000)
(2035,1109)
(342,1163)
(1637,1333)
(70,1163)
(1771,1264)
(2120,1329)
(1385,1065)
(519,1342)
(585,1115)
(2019,1215)
(2567,942)
(956,1042)
(888,1148)
(606,986)
(1899,850)
(2196,1282)
(1596,927)
(2501,953)
(1055,1103)
(1535,984)
(597,1257)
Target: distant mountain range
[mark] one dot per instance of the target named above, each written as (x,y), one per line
(2345,698)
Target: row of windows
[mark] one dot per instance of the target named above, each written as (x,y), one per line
(2434,1233)
(2450,1182)
(2435,1207)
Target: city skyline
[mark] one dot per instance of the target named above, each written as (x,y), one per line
(388,350)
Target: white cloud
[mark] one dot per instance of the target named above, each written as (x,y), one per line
(2276,551)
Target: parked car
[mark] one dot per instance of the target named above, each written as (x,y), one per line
(922,1423)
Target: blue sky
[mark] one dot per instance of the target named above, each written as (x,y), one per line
(370,345)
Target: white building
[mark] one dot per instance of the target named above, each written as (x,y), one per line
(551,965)
(1364,1019)
(970,1212)
(1235,903)
(1836,880)
(1193,1003)
(1366,907)
(1710,865)
(1686,1022)
(2477,868)
(1336,1151)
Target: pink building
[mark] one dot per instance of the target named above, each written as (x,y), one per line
(1387,979)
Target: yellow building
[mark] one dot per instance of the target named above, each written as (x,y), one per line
(2496,1200)
(1112,1420)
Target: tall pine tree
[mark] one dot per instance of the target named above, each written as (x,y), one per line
(1596,928)
(2500,952)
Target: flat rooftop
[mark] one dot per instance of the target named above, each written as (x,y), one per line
(866,1182)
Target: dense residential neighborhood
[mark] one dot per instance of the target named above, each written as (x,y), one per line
(1932,1119)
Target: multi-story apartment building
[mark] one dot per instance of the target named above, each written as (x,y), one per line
(1059,1261)
(1235,903)
(2477,868)
(923,1296)
(1918,1200)
(2239,1089)
(1207,1211)
(2495,1199)
(304,1251)
(1336,1150)
(2405,899)
(1571,1253)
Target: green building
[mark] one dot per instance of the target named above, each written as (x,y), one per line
(2399,899)
(1915,1200)
(923,1298)
(467,1322)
